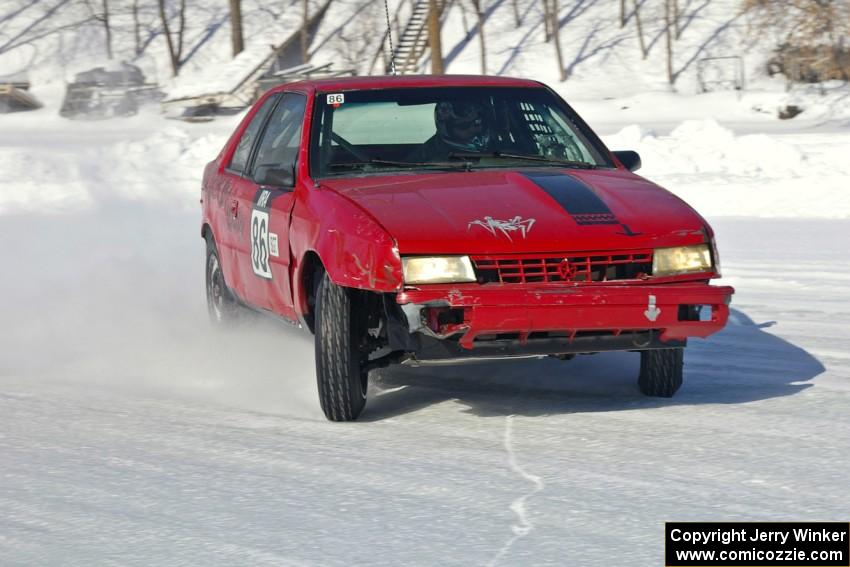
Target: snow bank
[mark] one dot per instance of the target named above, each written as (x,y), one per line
(165,165)
(724,174)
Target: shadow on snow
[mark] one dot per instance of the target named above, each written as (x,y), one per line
(743,363)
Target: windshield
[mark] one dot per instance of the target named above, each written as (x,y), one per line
(378,131)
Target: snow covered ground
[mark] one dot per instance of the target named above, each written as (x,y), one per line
(131,434)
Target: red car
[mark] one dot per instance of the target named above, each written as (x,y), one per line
(408,220)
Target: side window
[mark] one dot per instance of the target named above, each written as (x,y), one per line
(243,149)
(281,140)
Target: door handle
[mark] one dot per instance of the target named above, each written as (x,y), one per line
(234,208)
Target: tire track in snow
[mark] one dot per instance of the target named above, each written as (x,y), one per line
(524,526)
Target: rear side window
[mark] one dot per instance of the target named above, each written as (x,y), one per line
(243,149)
(281,139)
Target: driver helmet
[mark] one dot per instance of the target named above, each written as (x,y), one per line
(462,125)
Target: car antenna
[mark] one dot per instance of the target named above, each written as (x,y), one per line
(390,37)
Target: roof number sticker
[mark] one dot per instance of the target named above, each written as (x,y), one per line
(336,100)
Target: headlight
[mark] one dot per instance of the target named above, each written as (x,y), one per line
(681,260)
(437,269)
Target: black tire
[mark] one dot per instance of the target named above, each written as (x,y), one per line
(222,305)
(340,375)
(661,371)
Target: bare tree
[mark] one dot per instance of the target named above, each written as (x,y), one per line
(677,21)
(236,38)
(137,28)
(668,37)
(622,13)
(102,16)
(547,31)
(434,40)
(462,18)
(305,24)
(107,29)
(640,30)
(175,52)
(551,14)
(517,17)
(356,44)
(479,14)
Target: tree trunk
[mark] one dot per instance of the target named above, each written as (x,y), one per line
(137,28)
(547,31)
(181,30)
(107,29)
(517,18)
(305,22)
(434,38)
(640,30)
(668,35)
(236,38)
(175,61)
(554,25)
(622,13)
(463,18)
(676,20)
(479,14)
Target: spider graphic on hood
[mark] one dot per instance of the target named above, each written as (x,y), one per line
(506,227)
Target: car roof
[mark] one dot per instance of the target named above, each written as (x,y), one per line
(406,81)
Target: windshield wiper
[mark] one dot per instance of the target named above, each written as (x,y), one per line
(435,164)
(508,155)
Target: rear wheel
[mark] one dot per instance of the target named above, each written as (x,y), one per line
(222,305)
(340,362)
(661,371)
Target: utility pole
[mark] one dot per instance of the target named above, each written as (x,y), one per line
(434,38)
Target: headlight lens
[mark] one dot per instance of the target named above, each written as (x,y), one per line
(681,260)
(437,269)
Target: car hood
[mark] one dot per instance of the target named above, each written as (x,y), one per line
(523,211)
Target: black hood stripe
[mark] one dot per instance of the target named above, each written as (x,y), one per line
(575,197)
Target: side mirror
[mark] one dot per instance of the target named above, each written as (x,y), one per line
(271,174)
(629,159)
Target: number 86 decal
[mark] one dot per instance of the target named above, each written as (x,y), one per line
(260,244)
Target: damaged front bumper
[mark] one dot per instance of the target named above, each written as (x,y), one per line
(462,321)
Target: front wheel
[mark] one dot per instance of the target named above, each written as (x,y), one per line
(221,303)
(661,372)
(340,373)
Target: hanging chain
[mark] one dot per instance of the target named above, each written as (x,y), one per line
(390,37)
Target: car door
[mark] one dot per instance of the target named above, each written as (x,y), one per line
(264,257)
(228,219)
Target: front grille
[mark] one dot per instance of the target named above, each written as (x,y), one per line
(562,268)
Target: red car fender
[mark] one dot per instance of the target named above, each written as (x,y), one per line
(354,249)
